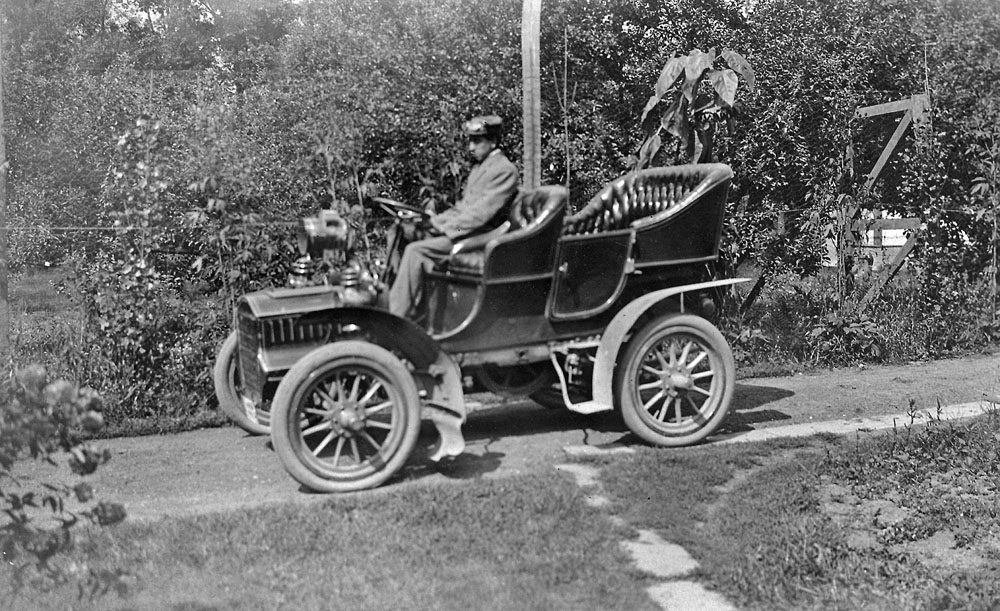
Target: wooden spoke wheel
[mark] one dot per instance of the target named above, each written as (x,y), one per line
(345,417)
(675,381)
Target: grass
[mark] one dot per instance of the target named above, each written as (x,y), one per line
(527,542)
(45,323)
(907,520)
(35,293)
(904,520)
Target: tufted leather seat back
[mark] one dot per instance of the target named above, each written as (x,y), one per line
(535,205)
(530,214)
(629,199)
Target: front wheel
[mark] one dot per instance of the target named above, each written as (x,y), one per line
(345,417)
(226,376)
(675,381)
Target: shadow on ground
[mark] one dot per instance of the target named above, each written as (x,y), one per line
(749,408)
(503,435)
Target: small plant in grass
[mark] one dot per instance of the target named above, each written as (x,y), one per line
(38,419)
(747,342)
(943,470)
(845,337)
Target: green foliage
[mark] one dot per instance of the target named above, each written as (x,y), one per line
(38,420)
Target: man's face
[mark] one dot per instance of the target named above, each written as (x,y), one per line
(480,147)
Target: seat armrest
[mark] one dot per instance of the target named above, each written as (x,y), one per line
(479,241)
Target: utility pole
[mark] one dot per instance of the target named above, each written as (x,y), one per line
(531,11)
(6,357)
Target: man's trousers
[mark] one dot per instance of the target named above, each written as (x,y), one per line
(418,258)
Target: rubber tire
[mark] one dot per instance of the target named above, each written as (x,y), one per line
(292,392)
(227,391)
(721,388)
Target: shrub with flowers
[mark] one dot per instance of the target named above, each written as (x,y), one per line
(41,420)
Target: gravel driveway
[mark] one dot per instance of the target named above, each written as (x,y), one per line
(219,469)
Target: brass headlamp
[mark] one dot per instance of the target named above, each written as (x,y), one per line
(324,231)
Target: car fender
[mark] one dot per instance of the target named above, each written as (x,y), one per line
(622,324)
(434,370)
(438,377)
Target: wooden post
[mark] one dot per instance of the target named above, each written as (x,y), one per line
(532,85)
(915,112)
(887,273)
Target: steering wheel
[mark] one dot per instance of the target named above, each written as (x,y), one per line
(400,210)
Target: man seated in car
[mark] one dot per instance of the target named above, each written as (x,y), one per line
(489,189)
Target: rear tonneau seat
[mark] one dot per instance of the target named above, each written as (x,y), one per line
(644,198)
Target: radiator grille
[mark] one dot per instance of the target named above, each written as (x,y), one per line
(294,330)
(252,376)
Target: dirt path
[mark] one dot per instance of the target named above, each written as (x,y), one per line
(219,469)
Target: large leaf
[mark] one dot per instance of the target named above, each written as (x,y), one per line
(725,83)
(672,70)
(648,149)
(695,66)
(653,100)
(738,63)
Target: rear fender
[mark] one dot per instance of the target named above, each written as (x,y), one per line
(619,329)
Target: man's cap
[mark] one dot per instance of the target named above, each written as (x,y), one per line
(486,125)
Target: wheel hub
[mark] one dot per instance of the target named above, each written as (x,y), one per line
(348,418)
(677,379)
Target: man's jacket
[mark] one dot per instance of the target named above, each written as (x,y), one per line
(491,186)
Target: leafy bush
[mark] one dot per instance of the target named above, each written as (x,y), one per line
(265,114)
(847,337)
(38,419)
(149,348)
(799,322)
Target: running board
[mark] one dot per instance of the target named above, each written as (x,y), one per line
(583,407)
(587,407)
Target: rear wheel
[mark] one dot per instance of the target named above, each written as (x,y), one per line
(345,417)
(226,376)
(675,380)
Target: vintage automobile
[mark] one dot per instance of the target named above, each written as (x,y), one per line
(605,309)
